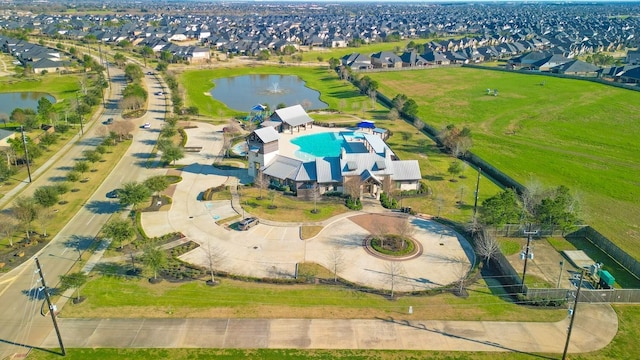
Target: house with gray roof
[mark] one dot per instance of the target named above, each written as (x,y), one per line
(576,68)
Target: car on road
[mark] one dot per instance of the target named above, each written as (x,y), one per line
(159,93)
(109,121)
(113,194)
(248,223)
(146,126)
(150,73)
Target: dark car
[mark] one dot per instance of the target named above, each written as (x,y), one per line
(109,121)
(248,223)
(113,194)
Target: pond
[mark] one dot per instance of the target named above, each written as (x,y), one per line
(23,100)
(244,92)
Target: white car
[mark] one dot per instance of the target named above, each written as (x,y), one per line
(146,126)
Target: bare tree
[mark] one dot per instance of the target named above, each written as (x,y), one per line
(387,186)
(102,131)
(215,256)
(461,272)
(380,231)
(260,182)
(405,230)
(7,227)
(394,270)
(393,114)
(353,186)
(316,196)
(25,210)
(226,143)
(337,261)
(44,215)
(122,128)
(486,246)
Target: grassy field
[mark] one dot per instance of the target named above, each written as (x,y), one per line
(109,297)
(575,133)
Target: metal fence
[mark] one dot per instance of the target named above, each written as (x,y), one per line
(588,295)
(608,247)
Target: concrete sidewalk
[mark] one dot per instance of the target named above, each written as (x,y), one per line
(594,328)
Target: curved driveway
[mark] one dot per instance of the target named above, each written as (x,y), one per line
(274,251)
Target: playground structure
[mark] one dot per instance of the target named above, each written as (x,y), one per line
(257,114)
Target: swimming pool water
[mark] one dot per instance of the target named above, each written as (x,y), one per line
(322,144)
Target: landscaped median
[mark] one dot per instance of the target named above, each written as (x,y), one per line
(66,207)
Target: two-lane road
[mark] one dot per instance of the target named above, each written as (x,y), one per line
(21,323)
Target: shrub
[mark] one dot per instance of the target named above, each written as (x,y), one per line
(388,203)
(353,205)
(333,193)
(541,301)
(73,176)
(61,188)
(62,128)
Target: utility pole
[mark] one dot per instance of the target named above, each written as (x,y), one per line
(526,253)
(475,203)
(572,313)
(51,311)
(26,152)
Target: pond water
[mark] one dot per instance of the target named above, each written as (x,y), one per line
(244,92)
(23,100)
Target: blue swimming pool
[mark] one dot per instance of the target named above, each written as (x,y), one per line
(322,144)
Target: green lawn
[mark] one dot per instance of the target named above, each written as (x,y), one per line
(576,133)
(63,88)
(110,297)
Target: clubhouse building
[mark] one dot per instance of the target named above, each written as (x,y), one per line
(365,166)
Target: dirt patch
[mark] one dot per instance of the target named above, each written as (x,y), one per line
(372,222)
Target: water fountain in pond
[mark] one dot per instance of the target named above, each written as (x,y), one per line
(275,89)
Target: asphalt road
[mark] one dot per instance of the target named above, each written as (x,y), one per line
(21,322)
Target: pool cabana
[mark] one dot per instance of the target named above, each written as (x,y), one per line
(290,118)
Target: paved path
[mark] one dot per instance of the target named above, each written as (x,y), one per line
(399,333)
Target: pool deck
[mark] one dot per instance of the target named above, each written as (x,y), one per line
(288,149)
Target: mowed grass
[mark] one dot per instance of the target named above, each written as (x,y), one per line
(567,132)
(289,208)
(110,297)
